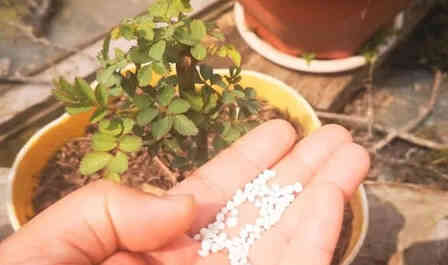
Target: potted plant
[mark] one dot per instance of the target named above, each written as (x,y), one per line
(328,29)
(156,113)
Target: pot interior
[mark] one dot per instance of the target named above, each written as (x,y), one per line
(35,154)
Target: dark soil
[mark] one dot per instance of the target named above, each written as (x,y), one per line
(61,176)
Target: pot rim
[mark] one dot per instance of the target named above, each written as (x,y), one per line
(11,177)
(297,63)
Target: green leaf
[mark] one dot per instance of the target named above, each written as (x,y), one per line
(142,101)
(160,68)
(118,164)
(63,96)
(127,31)
(231,134)
(128,125)
(108,77)
(159,8)
(145,30)
(309,56)
(130,85)
(198,30)
(144,75)
(115,33)
(227,98)
(139,55)
(196,101)
(113,177)
(185,126)
(86,90)
(146,116)
(219,143)
(103,142)
(93,162)
(235,56)
(211,104)
(130,143)
(238,93)
(206,71)
(182,35)
(106,47)
(199,52)
(178,106)
(222,51)
(161,127)
(110,127)
(167,94)
(98,115)
(172,145)
(157,50)
(180,162)
(116,91)
(251,92)
(217,80)
(65,86)
(78,108)
(101,94)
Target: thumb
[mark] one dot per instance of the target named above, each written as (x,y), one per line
(92,223)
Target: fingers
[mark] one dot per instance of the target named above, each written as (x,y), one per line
(214,183)
(92,223)
(313,220)
(302,163)
(346,168)
(125,258)
(316,228)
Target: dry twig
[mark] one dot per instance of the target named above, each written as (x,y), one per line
(363,122)
(424,112)
(166,170)
(154,190)
(404,162)
(370,107)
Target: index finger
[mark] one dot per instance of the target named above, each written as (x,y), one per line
(214,183)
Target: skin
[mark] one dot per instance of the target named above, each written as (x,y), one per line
(109,224)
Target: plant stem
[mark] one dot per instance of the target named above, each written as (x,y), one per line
(186,75)
(186,71)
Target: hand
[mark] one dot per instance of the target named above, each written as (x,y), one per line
(109,224)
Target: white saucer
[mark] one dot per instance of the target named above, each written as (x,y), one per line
(297,63)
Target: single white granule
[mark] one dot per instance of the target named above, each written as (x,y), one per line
(271,201)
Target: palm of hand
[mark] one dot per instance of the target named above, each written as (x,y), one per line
(329,165)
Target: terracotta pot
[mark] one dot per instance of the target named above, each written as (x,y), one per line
(40,148)
(329,29)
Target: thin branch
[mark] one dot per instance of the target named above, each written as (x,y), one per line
(154,190)
(167,172)
(404,162)
(370,107)
(363,122)
(423,114)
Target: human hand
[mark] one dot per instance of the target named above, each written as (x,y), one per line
(109,224)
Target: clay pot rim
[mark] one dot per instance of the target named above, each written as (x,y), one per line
(314,119)
(296,63)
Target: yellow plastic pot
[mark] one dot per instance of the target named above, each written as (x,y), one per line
(40,148)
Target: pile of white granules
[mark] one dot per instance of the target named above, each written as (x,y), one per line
(271,201)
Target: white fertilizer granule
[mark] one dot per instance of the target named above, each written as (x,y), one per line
(271,202)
